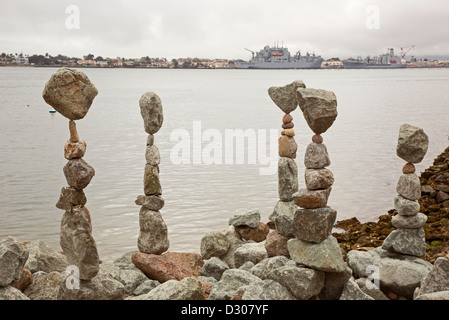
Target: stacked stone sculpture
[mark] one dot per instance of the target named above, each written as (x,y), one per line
(282,216)
(409,237)
(71,93)
(153,236)
(313,244)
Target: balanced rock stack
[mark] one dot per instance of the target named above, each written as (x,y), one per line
(409,237)
(71,93)
(153,236)
(282,216)
(313,245)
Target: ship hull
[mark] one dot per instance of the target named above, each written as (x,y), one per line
(284,65)
(364,65)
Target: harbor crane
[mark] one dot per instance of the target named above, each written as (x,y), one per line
(252,52)
(404,51)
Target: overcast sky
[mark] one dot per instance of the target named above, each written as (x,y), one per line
(223,28)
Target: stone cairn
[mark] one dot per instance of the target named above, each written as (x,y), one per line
(153,236)
(409,237)
(284,210)
(313,244)
(71,93)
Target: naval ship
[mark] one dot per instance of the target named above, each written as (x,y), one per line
(385,61)
(279,58)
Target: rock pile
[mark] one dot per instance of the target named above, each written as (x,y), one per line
(409,237)
(153,236)
(284,210)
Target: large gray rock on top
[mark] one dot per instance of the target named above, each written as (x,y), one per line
(151,111)
(250,219)
(409,186)
(11,293)
(214,244)
(316,156)
(254,252)
(78,173)
(437,279)
(287,178)
(303,283)
(78,244)
(412,143)
(314,225)
(406,241)
(13,256)
(153,236)
(267,290)
(230,282)
(285,97)
(319,108)
(70,92)
(325,256)
(43,258)
(282,216)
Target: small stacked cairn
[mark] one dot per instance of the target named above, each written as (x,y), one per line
(313,245)
(409,237)
(71,93)
(282,216)
(153,236)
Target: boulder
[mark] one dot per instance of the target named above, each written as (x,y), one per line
(285,97)
(334,283)
(230,282)
(253,252)
(287,178)
(406,241)
(282,216)
(214,244)
(101,287)
(412,143)
(73,150)
(153,236)
(70,92)
(372,290)
(152,155)
(25,280)
(234,243)
(409,186)
(78,173)
(11,293)
(250,219)
(262,268)
(318,179)
(276,244)
(437,279)
(439,295)
(287,147)
(409,222)
(314,225)
(151,111)
(266,290)
(316,156)
(257,234)
(13,256)
(214,267)
(46,287)
(130,278)
(352,291)
(43,258)
(146,287)
(188,288)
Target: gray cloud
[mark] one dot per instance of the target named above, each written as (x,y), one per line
(222,28)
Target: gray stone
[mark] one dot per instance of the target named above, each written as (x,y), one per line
(406,241)
(146,287)
(282,216)
(187,289)
(406,207)
(409,222)
(325,256)
(372,291)
(334,283)
(250,219)
(287,178)
(316,156)
(247,266)
(267,290)
(73,150)
(303,283)
(234,242)
(101,287)
(154,203)
(43,258)
(230,282)
(253,252)
(314,225)
(437,279)
(153,235)
(276,244)
(409,186)
(319,108)
(152,155)
(11,293)
(214,244)
(130,278)
(46,287)
(13,256)
(439,295)
(125,261)
(151,111)
(150,140)
(71,197)
(262,268)
(151,183)
(318,179)
(352,291)
(214,267)
(311,199)
(70,92)
(412,143)
(285,97)
(77,242)
(78,173)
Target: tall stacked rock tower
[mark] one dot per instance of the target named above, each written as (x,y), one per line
(285,98)
(153,237)
(313,245)
(71,93)
(409,236)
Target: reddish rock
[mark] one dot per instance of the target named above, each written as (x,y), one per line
(288,132)
(289,125)
(408,168)
(168,266)
(276,244)
(24,281)
(287,118)
(287,147)
(256,234)
(317,138)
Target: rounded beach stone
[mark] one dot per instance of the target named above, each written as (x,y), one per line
(406,207)
(289,125)
(78,173)
(285,97)
(318,178)
(409,222)
(412,143)
(74,150)
(408,168)
(409,186)
(287,147)
(316,156)
(152,155)
(314,225)
(151,111)
(288,132)
(70,92)
(287,118)
(317,138)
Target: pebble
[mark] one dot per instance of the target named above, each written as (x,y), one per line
(289,125)
(408,168)
(288,132)
(287,118)
(317,138)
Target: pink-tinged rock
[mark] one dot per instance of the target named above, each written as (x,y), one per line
(73,150)
(311,199)
(287,118)
(276,244)
(257,234)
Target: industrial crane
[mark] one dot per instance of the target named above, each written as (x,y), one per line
(403,53)
(251,52)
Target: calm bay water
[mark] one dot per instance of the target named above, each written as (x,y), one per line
(372,104)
